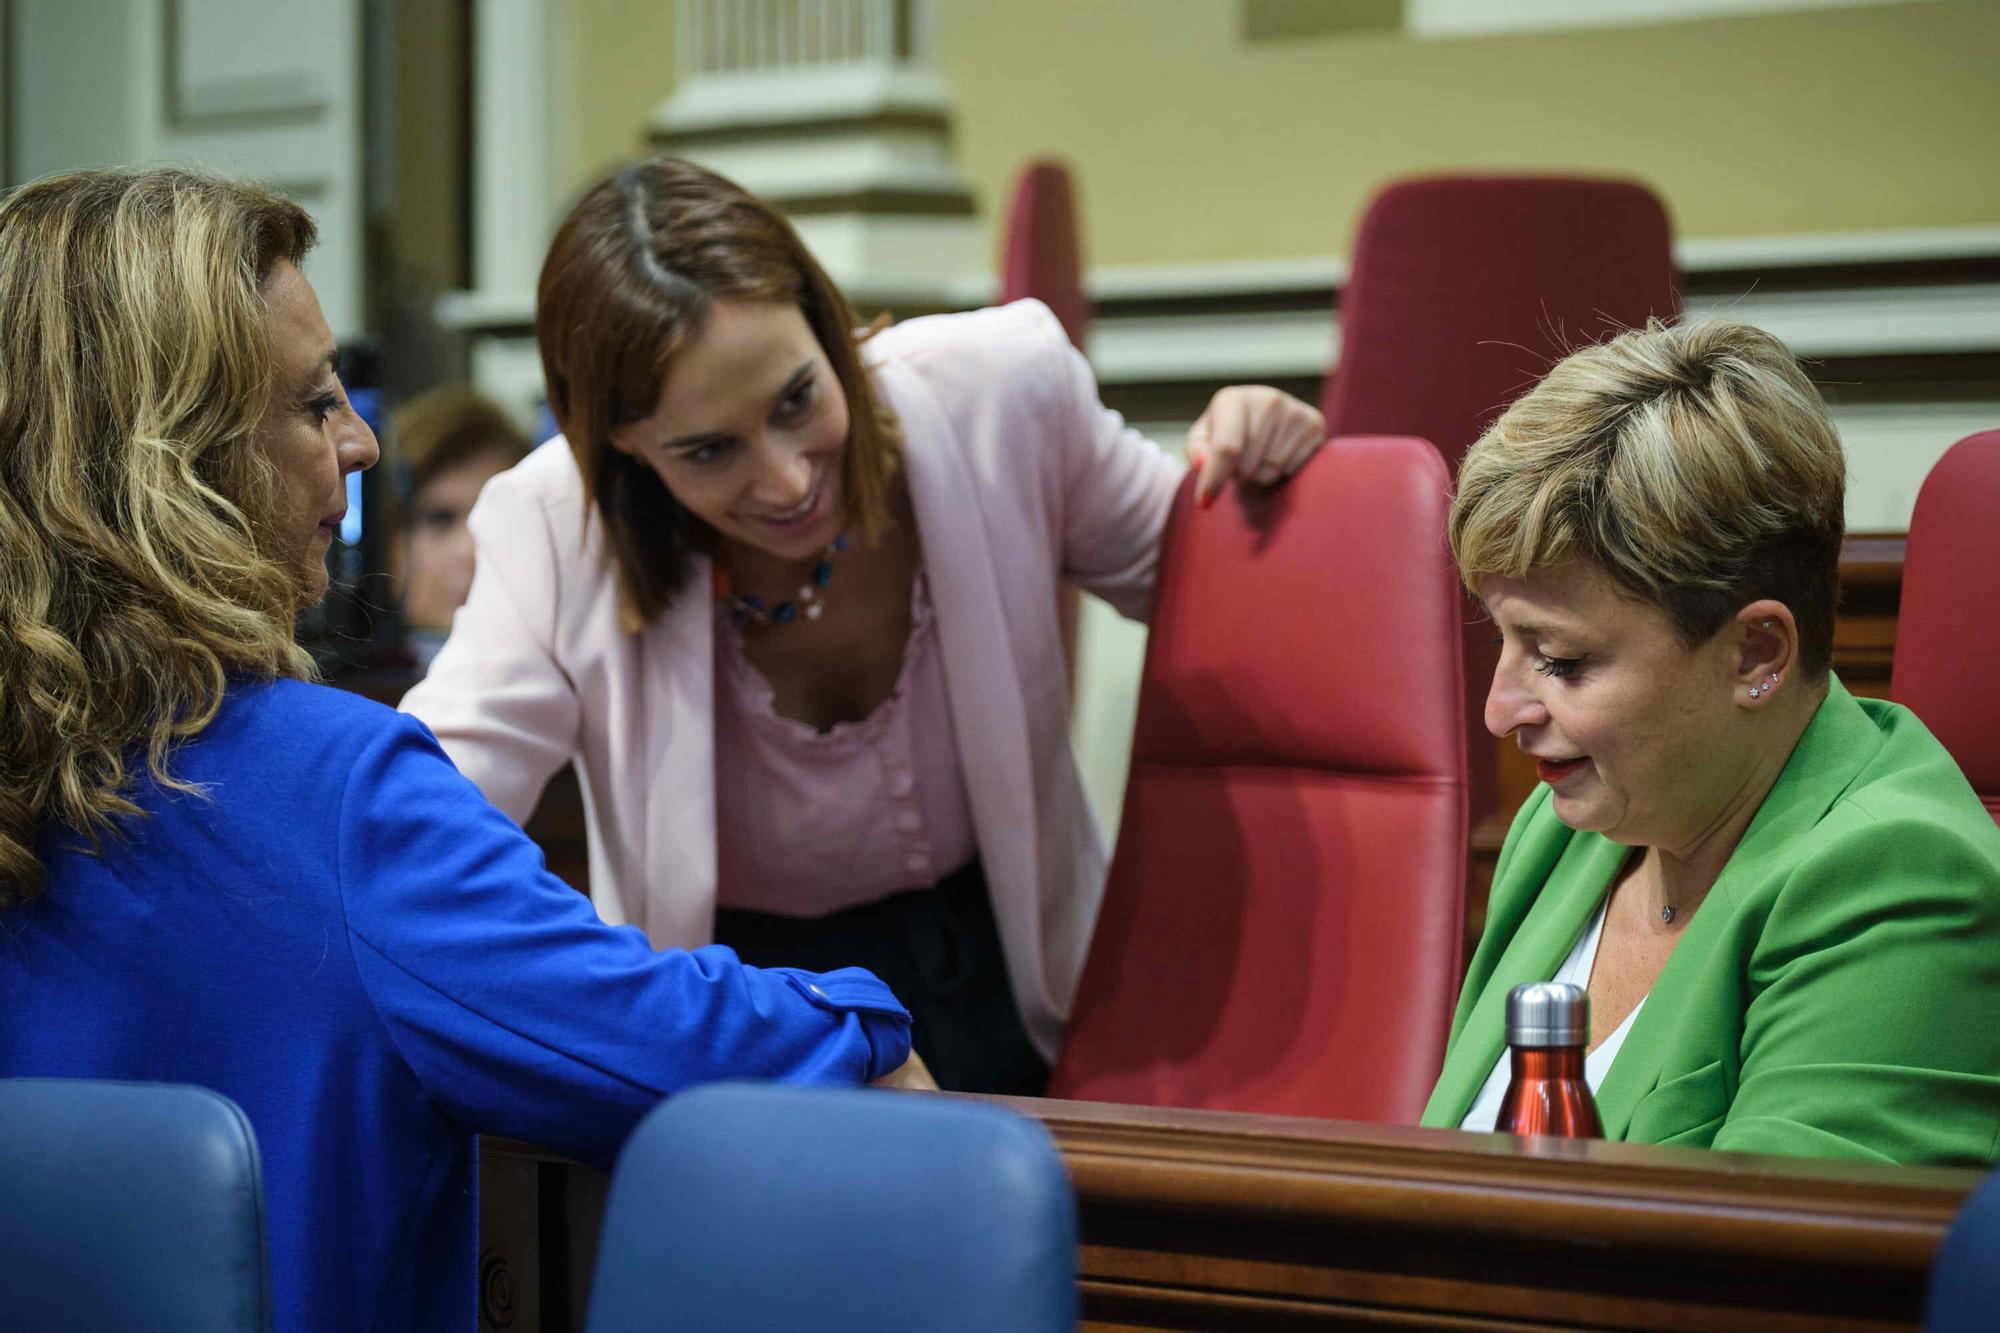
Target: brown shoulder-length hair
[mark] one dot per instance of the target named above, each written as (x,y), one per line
(629,277)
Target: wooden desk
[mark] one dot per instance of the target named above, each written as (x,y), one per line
(1212,1220)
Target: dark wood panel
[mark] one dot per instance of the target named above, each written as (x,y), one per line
(539,1216)
(1213,1220)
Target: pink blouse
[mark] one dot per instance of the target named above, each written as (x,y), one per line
(810,822)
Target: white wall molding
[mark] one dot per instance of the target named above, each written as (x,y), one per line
(488,310)
(1835,296)
(1884,320)
(907,259)
(799,94)
(1694,256)
(832,111)
(1840,297)
(1162,325)
(1891,448)
(1818,249)
(1869,321)
(838,160)
(1483,18)
(1218,345)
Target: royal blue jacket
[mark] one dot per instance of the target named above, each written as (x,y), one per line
(339,933)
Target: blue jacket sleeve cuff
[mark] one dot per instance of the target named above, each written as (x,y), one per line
(884,1021)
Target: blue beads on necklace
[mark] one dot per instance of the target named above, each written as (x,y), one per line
(808,604)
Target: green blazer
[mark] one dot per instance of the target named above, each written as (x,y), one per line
(1836,995)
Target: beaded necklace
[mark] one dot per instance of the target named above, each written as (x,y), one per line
(810,602)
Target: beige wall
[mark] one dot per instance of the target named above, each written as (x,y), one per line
(1193,145)
(624,67)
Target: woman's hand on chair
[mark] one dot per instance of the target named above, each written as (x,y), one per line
(1255,433)
(912,1076)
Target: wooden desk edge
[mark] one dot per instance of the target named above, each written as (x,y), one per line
(1224,1166)
(1208,1219)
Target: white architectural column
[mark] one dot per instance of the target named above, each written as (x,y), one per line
(521,79)
(832,110)
(517,71)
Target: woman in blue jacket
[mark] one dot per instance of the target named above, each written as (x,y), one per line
(215,872)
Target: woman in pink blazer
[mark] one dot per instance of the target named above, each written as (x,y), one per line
(787,595)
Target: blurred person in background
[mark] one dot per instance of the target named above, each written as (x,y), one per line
(446,445)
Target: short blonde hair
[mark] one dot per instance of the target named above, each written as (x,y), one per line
(140,573)
(1692,463)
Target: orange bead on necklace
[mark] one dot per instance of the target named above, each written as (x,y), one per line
(808,604)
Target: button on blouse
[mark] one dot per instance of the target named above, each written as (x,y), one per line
(811,822)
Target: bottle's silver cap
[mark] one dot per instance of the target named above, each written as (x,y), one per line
(1548,1013)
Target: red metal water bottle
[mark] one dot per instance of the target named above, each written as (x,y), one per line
(1548,1025)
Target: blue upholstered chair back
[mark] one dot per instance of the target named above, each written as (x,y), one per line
(1965,1284)
(744,1206)
(129,1206)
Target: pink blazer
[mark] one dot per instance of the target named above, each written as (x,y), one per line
(1018,476)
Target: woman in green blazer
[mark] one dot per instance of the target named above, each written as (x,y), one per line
(1784,901)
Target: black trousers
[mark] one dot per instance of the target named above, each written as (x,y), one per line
(939,950)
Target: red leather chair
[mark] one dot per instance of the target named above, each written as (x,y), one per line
(1281,930)
(1948,627)
(1041,256)
(1461,293)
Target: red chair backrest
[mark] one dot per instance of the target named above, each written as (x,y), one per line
(1041,256)
(1462,291)
(1281,931)
(1948,627)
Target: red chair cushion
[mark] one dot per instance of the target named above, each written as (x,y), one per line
(1948,626)
(1281,930)
(1042,257)
(1464,290)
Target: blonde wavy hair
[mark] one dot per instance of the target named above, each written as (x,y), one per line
(140,571)
(1693,464)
